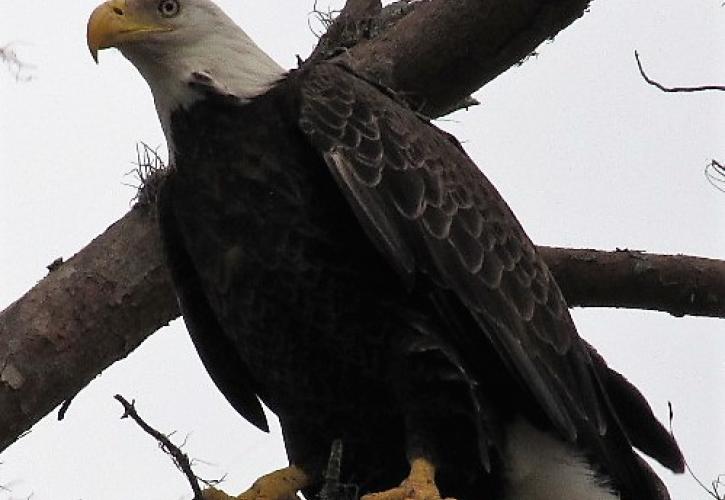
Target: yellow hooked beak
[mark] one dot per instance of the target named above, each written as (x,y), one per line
(113,23)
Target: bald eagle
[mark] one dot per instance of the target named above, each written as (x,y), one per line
(342,260)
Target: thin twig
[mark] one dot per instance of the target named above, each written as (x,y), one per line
(181,459)
(149,172)
(714,493)
(715,174)
(673,89)
(14,64)
(325,18)
(714,171)
(64,407)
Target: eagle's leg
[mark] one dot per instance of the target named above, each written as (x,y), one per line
(281,484)
(419,485)
(421,375)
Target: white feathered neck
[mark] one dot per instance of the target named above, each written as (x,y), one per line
(218,49)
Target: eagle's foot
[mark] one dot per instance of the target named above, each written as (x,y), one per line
(281,484)
(419,485)
(215,494)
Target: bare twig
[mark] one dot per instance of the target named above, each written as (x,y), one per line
(64,407)
(9,57)
(324,17)
(345,28)
(149,173)
(181,459)
(716,483)
(673,89)
(715,173)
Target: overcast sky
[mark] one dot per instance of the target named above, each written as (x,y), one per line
(585,152)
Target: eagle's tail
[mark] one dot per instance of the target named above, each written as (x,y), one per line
(640,425)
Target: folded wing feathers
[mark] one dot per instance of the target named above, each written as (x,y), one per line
(434,212)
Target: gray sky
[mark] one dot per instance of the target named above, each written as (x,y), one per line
(586,154)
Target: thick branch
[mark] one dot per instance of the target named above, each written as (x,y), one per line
(445,49)
(679,285)
(435,53)
(88,313)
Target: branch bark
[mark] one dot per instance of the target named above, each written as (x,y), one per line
(679,284)
(101,304)
(88,313)
(444,50)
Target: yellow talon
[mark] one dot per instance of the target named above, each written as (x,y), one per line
(419,485)
(215,494)
(281,484)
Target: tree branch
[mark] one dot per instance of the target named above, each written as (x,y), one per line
(90,312)
(14,64)
(180,459)
(663,88)
(679,285)
(715,174)
(469,41)
(97,307)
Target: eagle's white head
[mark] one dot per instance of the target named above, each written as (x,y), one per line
(172,42)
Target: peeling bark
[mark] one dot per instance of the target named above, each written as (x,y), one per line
(91,311)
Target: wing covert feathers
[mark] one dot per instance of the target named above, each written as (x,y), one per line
(428,208)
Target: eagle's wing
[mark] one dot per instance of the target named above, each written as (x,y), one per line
(217,351)
(429,209)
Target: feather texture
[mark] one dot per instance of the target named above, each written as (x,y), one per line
(370,284)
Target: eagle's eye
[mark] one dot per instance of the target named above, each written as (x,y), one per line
(169,8)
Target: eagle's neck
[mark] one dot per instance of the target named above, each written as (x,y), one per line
(227,60)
